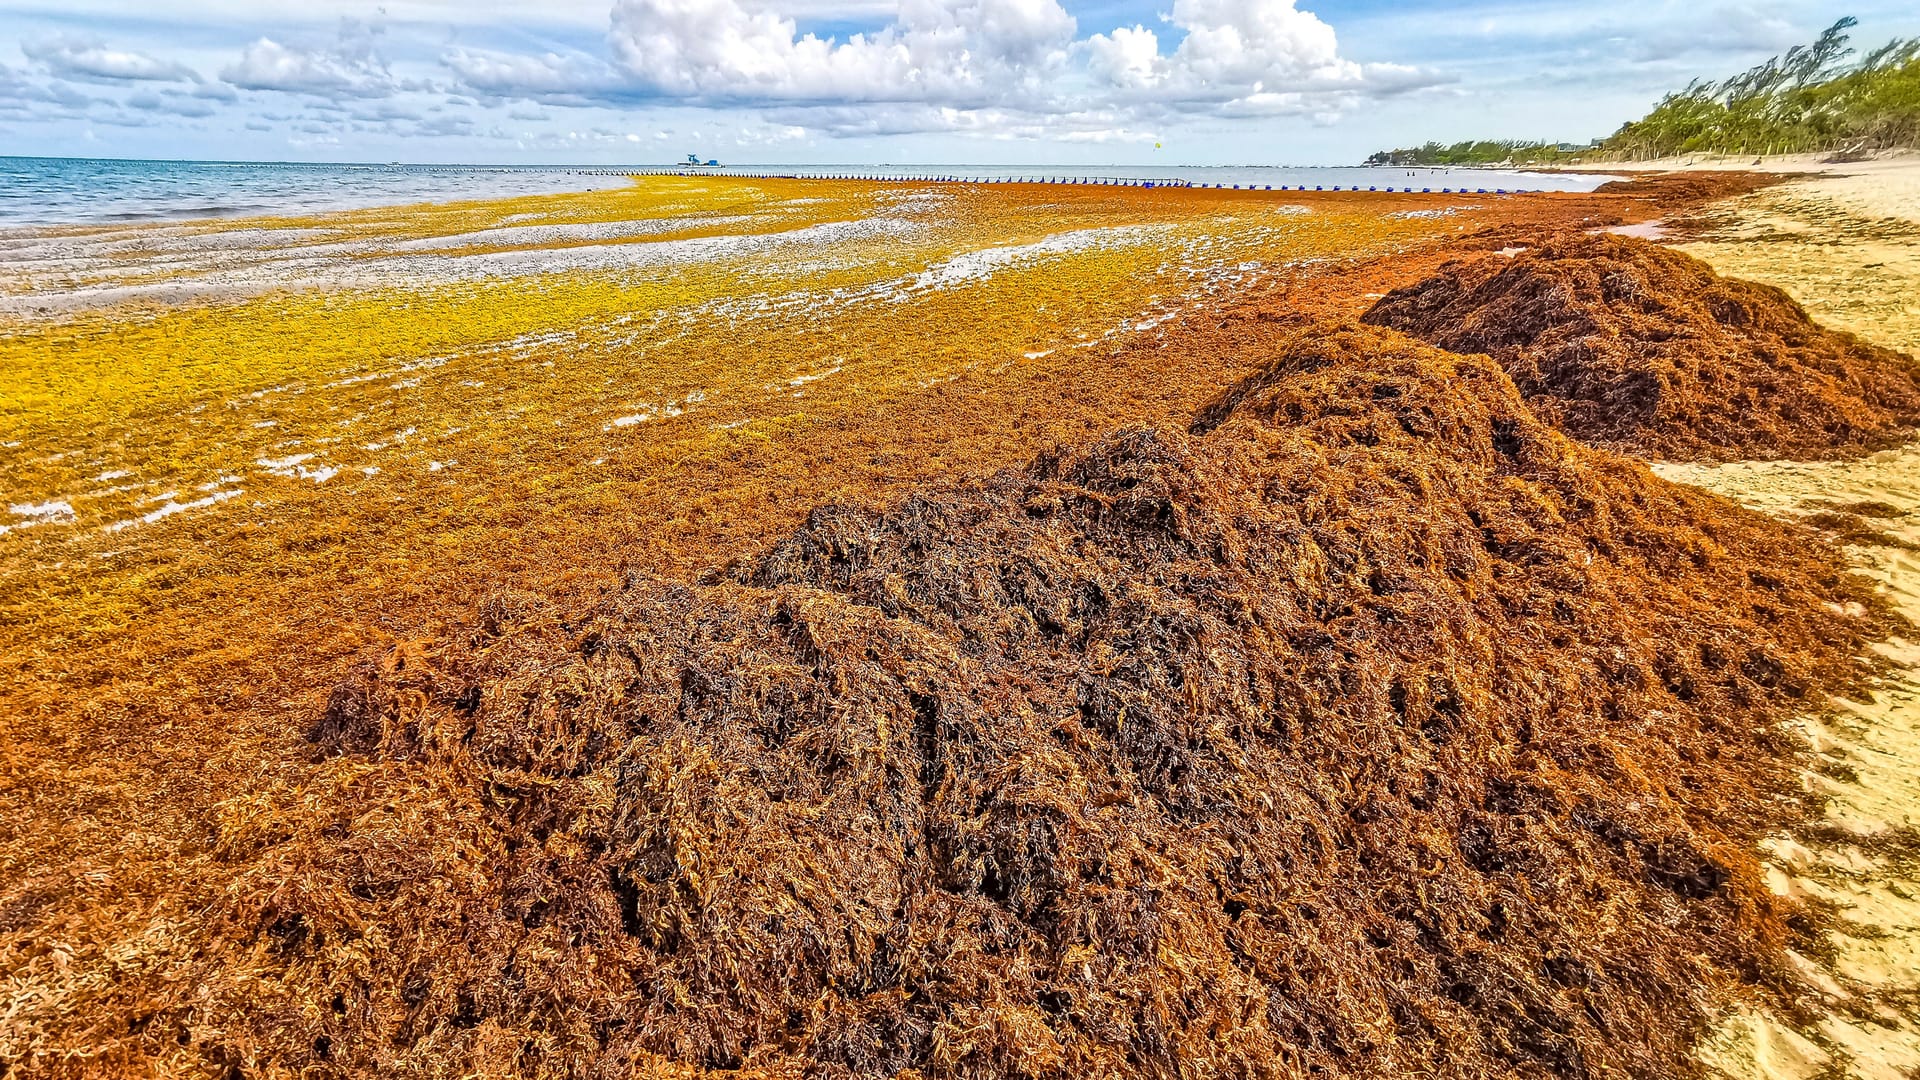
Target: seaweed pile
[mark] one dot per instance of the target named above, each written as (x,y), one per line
(1639,348)
(1372,728)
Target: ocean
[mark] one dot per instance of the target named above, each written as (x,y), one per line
(37,192)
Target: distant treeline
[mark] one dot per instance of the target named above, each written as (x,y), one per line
(1812,99)
(1483,152)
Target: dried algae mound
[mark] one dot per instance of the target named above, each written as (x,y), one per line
(1636,347)
(1374,730)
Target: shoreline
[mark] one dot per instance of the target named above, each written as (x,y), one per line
(1845,242)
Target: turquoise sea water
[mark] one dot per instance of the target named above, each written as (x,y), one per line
(61,191)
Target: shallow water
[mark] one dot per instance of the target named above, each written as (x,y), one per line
(75,191)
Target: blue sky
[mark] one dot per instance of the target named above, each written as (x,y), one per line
(801,81)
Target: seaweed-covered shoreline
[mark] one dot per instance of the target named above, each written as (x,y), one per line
(475,863)
(1377,730)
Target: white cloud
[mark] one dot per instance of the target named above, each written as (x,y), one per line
(173,104)
(999,124)
(442,127)
(974,69)
(1243,57)
(348,67)
(1234,45)
(982,66)
(268,65)
(89,58)
(1129,57)
(958,52)
(22,98)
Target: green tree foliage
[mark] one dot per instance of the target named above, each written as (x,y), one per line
(1815,98)
(1808,100)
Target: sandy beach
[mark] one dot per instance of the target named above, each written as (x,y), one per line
(1845,242)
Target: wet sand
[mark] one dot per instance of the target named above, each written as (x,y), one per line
(1846,244)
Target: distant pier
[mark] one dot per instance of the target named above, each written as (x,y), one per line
(1101,181)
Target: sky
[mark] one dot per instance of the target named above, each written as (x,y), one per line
(1015,82)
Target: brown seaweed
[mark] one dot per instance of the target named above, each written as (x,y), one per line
(1639,348)
(1374,728)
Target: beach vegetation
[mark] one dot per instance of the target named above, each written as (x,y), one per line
(1814,98)
(1820,98)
